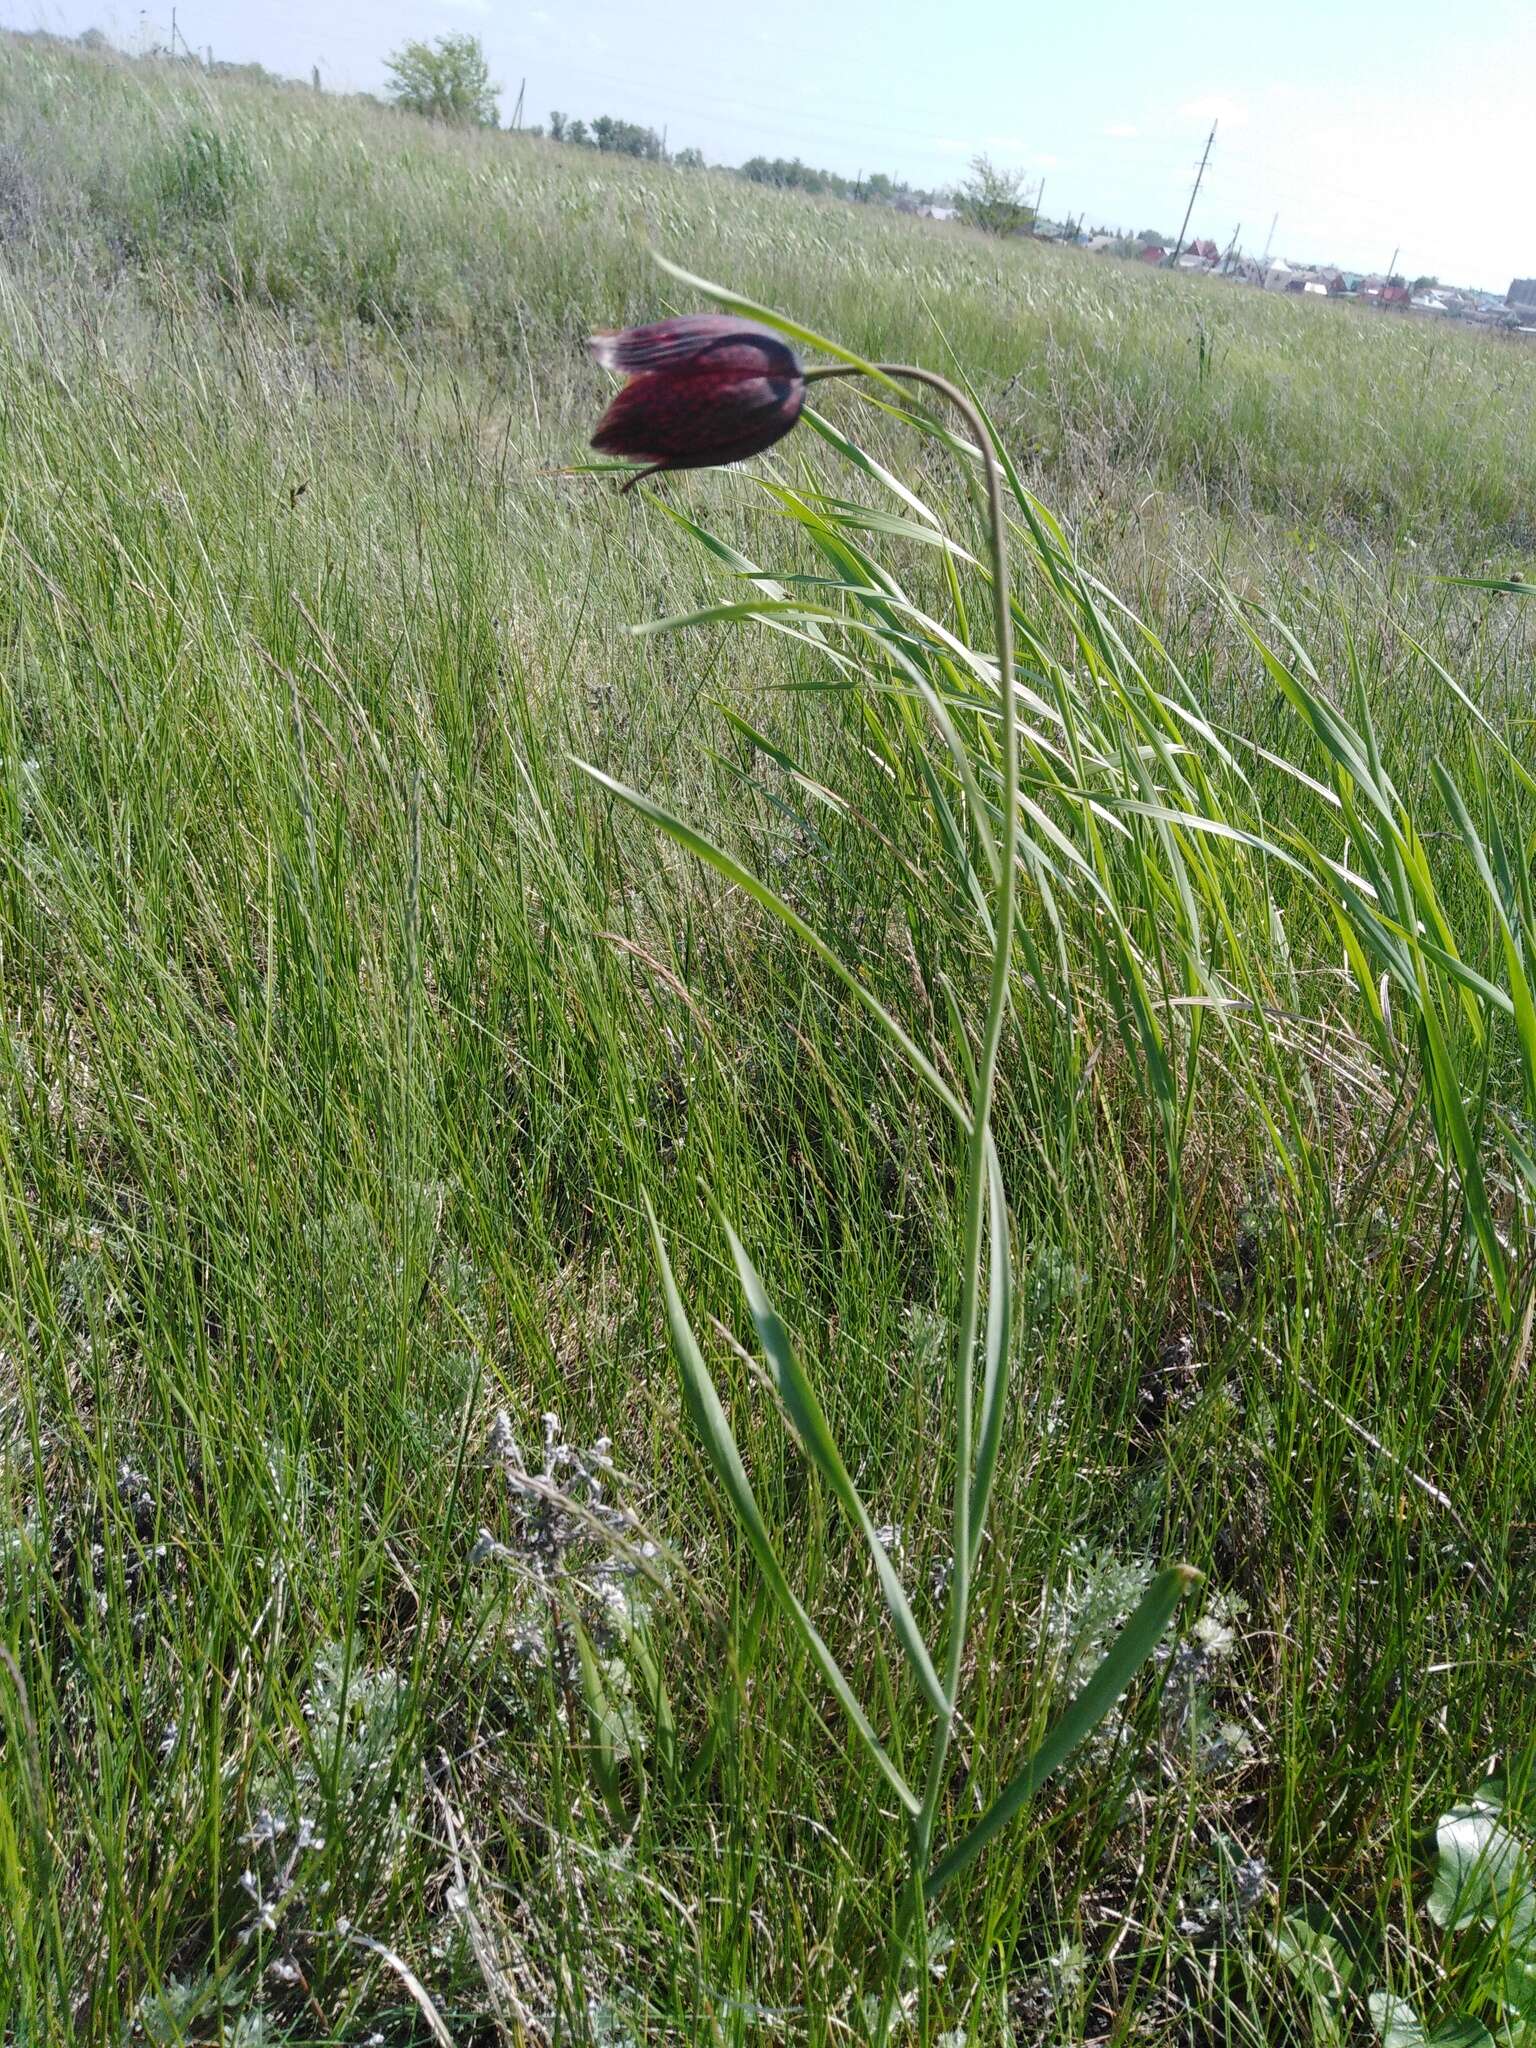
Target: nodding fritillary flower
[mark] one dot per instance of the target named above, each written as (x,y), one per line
(704,389)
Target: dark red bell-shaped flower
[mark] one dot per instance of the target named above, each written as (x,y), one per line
(704,389)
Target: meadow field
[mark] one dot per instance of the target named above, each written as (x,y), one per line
(387,920)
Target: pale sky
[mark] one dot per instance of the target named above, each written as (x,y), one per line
(1367,125)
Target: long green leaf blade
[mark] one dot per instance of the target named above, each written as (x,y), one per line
(709,1419)
(809,1419)
(995,1350)
(1130,1650)
(694,842)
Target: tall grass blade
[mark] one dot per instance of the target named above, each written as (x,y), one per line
(722,862)
(709,1419)
(810,1424)
(1130,1650)
(996,1347)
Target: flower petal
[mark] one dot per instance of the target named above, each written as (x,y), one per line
(694,421)
(718,339)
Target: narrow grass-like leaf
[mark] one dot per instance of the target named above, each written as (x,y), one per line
(810,1423)
(709,1419)
(600,1724)
(996,1347)
(1456,1134)
(856,455)
(1125,1657)
(1511,584)
(643,1663)
(695,843)
(806,336)
(1523,1004)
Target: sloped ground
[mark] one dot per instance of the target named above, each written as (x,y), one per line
(349,1026)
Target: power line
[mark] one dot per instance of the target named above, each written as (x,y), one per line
(1195,192)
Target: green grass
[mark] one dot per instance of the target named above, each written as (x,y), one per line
(350,1027)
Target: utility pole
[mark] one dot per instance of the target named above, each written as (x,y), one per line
(1231,246)
(517,111)
(1264,259)
(1195,193)
(1039,195)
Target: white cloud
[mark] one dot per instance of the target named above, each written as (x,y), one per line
(1046,162)
(1121,129)
(1215,106)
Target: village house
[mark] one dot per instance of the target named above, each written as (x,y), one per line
(1199,256)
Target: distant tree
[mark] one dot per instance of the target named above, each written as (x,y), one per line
(93,39)
(689,159)
(787,172)
(448,80)
(993,199)
(557,126)
(1426,284)
(1396,280)
(625,138)
(576,131)
(790,174)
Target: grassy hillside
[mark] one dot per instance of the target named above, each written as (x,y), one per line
(378,1652)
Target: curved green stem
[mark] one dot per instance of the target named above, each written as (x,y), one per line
(981,1108)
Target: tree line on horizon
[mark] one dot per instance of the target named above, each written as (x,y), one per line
(448,80)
